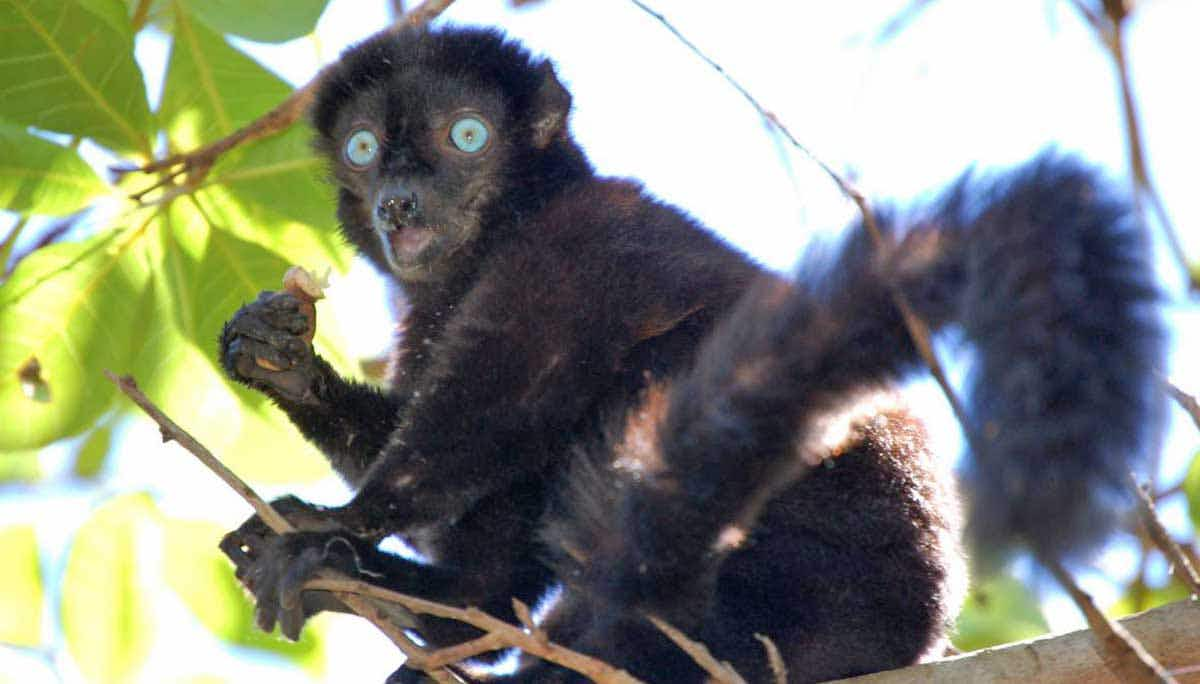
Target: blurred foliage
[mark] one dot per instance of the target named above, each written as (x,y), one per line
(145,289)
(1191,488)
(104,614)
(20,611)
(200,574)
(1139,597)
(998,610)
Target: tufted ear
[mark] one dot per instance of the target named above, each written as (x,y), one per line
(551,105)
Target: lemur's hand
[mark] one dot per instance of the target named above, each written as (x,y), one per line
(274,567)
(268,346)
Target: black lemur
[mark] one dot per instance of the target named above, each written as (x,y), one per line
(593,391)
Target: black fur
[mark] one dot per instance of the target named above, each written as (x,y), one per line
(593,390)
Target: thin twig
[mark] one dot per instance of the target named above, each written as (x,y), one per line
(1123,655)
(917,328)
(422,14)
(774,659)
(1185,400)
(184,172)
(1162,539)
(1110,29)
(901,20)
(171,431)
(719,671)
(372,602)
(508,635)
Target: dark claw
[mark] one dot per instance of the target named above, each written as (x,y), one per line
(277,577)
(299,570)
(245,351)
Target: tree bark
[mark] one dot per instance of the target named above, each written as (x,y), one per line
(1171,633)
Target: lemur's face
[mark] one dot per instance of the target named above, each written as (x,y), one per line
(417,160)
(422,143)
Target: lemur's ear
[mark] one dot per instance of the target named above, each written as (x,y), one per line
(551,105)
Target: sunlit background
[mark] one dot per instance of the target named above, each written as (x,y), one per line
(964,84)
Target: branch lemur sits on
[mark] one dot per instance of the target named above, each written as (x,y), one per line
(594,391)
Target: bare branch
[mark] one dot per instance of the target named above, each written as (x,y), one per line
(172,432)
(184,172)
(422,14)
(1122,654)
(374,603)
(1172,632)
(901,20)
(506,635)
(774,659)
(377,615)
(1162,539)
(1110,30)
(917,328)
(1186,401)
(719,671)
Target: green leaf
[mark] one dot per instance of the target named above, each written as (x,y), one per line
(999,610)
(212,89)
(270,21)
(281,178)
(90,457)
(272,191)
(20,587)
(209,273)
(39,177)
(65,68)
(115,14)
(76,308)
(1191,489)
(105,621)
(1140,597)
(20,466)
(202,576)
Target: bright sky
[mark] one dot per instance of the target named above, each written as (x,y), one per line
(986,83)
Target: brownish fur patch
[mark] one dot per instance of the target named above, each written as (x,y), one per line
(661,322)
(639,451)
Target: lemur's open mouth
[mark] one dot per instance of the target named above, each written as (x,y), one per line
(408,241)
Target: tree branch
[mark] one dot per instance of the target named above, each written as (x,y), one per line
(1186,401)
(1183,568)
(917,328)
(184,172)
(718,671)
(497,633)
(377,604)
(1172,632)
(1110,30)
(376,614)
(1123,655)
(779,672)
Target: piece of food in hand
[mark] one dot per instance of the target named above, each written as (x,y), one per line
(308,288)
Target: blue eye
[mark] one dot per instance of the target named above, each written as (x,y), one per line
(469,134)
(361,148)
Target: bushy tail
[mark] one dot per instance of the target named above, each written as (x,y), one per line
(1050,279)
(1059,300)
